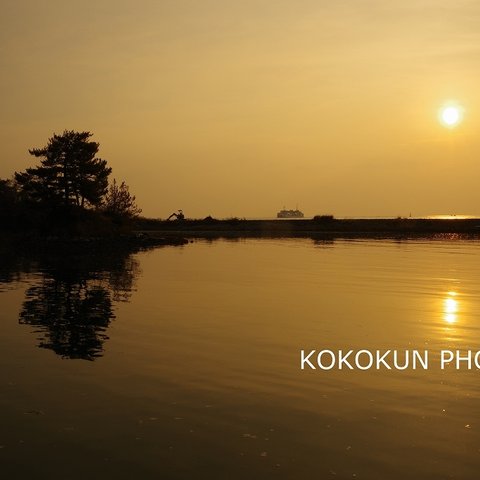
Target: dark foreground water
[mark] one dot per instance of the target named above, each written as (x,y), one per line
(184,362)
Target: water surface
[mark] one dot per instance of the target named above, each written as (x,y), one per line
(183,362)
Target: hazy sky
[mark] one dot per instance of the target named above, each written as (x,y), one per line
(237,108)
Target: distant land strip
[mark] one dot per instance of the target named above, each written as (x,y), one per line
(316,227)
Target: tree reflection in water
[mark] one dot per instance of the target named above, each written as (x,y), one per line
(72,303)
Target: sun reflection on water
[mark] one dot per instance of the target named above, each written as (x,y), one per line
(450,308)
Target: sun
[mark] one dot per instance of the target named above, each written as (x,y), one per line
(451,115)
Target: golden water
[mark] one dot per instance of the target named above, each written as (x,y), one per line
(184,362)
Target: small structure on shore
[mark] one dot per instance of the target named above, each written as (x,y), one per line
(178,216)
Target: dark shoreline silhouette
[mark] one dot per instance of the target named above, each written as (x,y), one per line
(320,226)
(32,242)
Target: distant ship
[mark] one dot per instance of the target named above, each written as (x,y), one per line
(290,213)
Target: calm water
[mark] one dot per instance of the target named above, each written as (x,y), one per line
(183,362)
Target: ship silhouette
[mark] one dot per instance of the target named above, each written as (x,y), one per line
(290,213)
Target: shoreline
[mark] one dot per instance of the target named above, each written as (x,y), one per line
(317,228)
(97,245)
(150,233)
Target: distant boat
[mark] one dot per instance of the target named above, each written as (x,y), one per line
(290,213)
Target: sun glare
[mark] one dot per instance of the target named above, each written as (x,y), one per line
(450,115)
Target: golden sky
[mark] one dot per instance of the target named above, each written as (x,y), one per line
(237,108)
